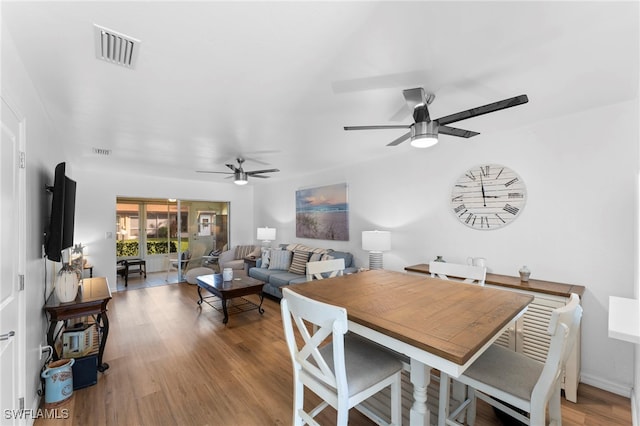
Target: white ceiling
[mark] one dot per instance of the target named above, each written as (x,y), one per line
(275,82)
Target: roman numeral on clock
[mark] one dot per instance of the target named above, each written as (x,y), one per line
(511,209)
(470,175)
(484,170)
(511,182)
(460,208)
(457,198)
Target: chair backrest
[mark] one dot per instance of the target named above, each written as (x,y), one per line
(465,273)
(332,267)
(563,328)
(315,321)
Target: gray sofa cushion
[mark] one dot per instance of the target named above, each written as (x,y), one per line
(283,278)
(263,274)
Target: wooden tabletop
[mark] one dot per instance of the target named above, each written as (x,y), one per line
(448,319)
(93,296)
(536,286)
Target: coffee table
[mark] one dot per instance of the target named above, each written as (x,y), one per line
(240,286)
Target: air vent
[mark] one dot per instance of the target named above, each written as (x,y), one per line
(102,151)
(119,49)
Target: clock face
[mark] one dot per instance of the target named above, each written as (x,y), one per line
(488,197)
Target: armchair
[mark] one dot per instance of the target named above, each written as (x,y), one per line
(234,258)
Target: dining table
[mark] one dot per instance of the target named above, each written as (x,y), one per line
(434,323)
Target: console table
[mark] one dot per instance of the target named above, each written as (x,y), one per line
(528,334)
(93,296)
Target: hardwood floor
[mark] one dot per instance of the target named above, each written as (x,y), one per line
(174,363)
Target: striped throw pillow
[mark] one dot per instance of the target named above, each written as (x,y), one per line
(280,259)
(299,262)
(243,251)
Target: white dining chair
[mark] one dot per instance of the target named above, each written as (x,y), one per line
(452,271)
(342,369)
(467,274)
(325,269)
(502,376)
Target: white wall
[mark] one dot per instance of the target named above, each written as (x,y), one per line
(43,152)
(576,228)
(96,209)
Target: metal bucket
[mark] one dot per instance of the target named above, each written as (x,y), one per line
(58,381)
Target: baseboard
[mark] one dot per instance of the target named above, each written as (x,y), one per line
(606,385)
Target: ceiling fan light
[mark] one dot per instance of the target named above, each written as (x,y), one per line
(424,141)
(424,135)
(240,178)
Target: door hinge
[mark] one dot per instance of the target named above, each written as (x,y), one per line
(21,278)
(22,162)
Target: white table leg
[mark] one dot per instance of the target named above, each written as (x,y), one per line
(420,378)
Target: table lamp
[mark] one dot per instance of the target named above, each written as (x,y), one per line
(375,242)
(266,235)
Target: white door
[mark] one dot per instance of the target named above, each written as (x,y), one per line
(11,255)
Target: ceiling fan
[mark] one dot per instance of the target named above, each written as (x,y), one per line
(424,131)
(240,177)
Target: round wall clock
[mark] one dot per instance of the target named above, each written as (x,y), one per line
(488,197)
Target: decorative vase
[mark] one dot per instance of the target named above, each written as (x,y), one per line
(67,280)
(227,274)
(439,259)
(524,273)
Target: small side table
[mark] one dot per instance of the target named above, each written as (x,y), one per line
(249,262)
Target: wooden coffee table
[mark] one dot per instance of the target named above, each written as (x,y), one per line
(240,286)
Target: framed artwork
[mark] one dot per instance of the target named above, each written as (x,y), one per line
(323,213)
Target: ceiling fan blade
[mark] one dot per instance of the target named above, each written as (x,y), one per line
(400,139)
(206,171)
(391,126)
(254,172)
(414,97)
(485,109)
(260,176)
(231,166)
(453,131)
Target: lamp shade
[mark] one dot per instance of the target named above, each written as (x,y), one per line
(266,234)
(376,240)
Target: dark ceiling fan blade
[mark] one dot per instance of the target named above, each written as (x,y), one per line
(454,131)
(255,172)
(391,126)
(481,110)
(207,171)
(400,139)
(260,176)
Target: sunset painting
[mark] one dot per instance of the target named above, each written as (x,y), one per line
(323,213)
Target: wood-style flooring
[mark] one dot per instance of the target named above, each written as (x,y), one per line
(173,362)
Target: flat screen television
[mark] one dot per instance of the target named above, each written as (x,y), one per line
(59,232)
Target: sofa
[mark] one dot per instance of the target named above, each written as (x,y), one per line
(286,265)
(234,258)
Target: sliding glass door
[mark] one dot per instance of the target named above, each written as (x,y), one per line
(160,231)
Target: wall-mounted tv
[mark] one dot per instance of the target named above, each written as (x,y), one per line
(59,232)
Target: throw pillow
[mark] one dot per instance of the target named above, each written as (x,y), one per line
(315,257)
(243,251)
(299,262)
(266,256)
(280,259)
(265,259)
